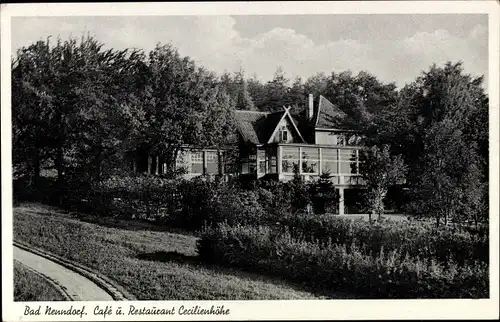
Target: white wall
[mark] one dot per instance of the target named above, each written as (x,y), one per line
(325,138)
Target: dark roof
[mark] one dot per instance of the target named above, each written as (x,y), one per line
(328,115)
(257,127)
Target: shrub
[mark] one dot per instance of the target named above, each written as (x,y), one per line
(140,196)
(236,207)
(197,196)
(331,266)
(417,239)
(206,203)
(324,196)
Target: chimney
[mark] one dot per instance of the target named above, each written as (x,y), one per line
(310,110)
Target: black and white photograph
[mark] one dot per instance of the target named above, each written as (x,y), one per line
(172,163)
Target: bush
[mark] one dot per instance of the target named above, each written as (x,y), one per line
(140,196)
(236,207)
(206,203)
(330,266)
(324,196)
(416,239)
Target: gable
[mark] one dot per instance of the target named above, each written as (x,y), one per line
(285,124)
(263,127)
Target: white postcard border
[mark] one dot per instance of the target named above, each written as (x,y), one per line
(269,310)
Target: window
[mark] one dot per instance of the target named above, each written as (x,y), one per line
(290,159)
(182,161)
(249,163)
(196,162)
(348,161)
(212,162)
(284,136)
(310,160)
(262,160)
(272,163)
(329,161)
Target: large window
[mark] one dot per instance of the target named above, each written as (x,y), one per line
(348,162)
(262,160)
(310,160)
(212,162)
(329,161)
(290,159)
(196,162)
(182,161)
(249,163)
(272,160)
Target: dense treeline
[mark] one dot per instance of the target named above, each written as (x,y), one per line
(77,107)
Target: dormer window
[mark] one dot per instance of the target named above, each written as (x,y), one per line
(283,134)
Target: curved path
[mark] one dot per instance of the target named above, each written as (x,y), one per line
(78,287)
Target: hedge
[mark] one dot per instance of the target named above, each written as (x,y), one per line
(416,239)
(329,266)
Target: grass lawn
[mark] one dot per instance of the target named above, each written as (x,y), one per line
(151,264)
(29,286)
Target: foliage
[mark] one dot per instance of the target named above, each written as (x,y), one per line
(379,170)
(324,196)
(417,239)
(185,105)
(450,164)
(78,107)
(75,106)
(330,266)
(299,191)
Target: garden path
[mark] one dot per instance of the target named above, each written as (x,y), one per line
(78,287)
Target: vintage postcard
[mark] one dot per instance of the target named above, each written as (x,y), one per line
(250,161)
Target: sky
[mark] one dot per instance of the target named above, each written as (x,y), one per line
(393,47)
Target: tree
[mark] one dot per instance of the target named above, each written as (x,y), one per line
(186,105)
(296,94)
(299,190)
(450,182)
(276,91)
(70,106)
(243,99)
(439,126)
(324,195)
(257,92)
(380,170)
(316,85)
(362,97)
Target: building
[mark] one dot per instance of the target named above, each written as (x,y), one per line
(276,144)
(308,141)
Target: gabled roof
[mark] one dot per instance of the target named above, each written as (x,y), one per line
(328,115)
(290,117)
(252,125)
(258,127)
